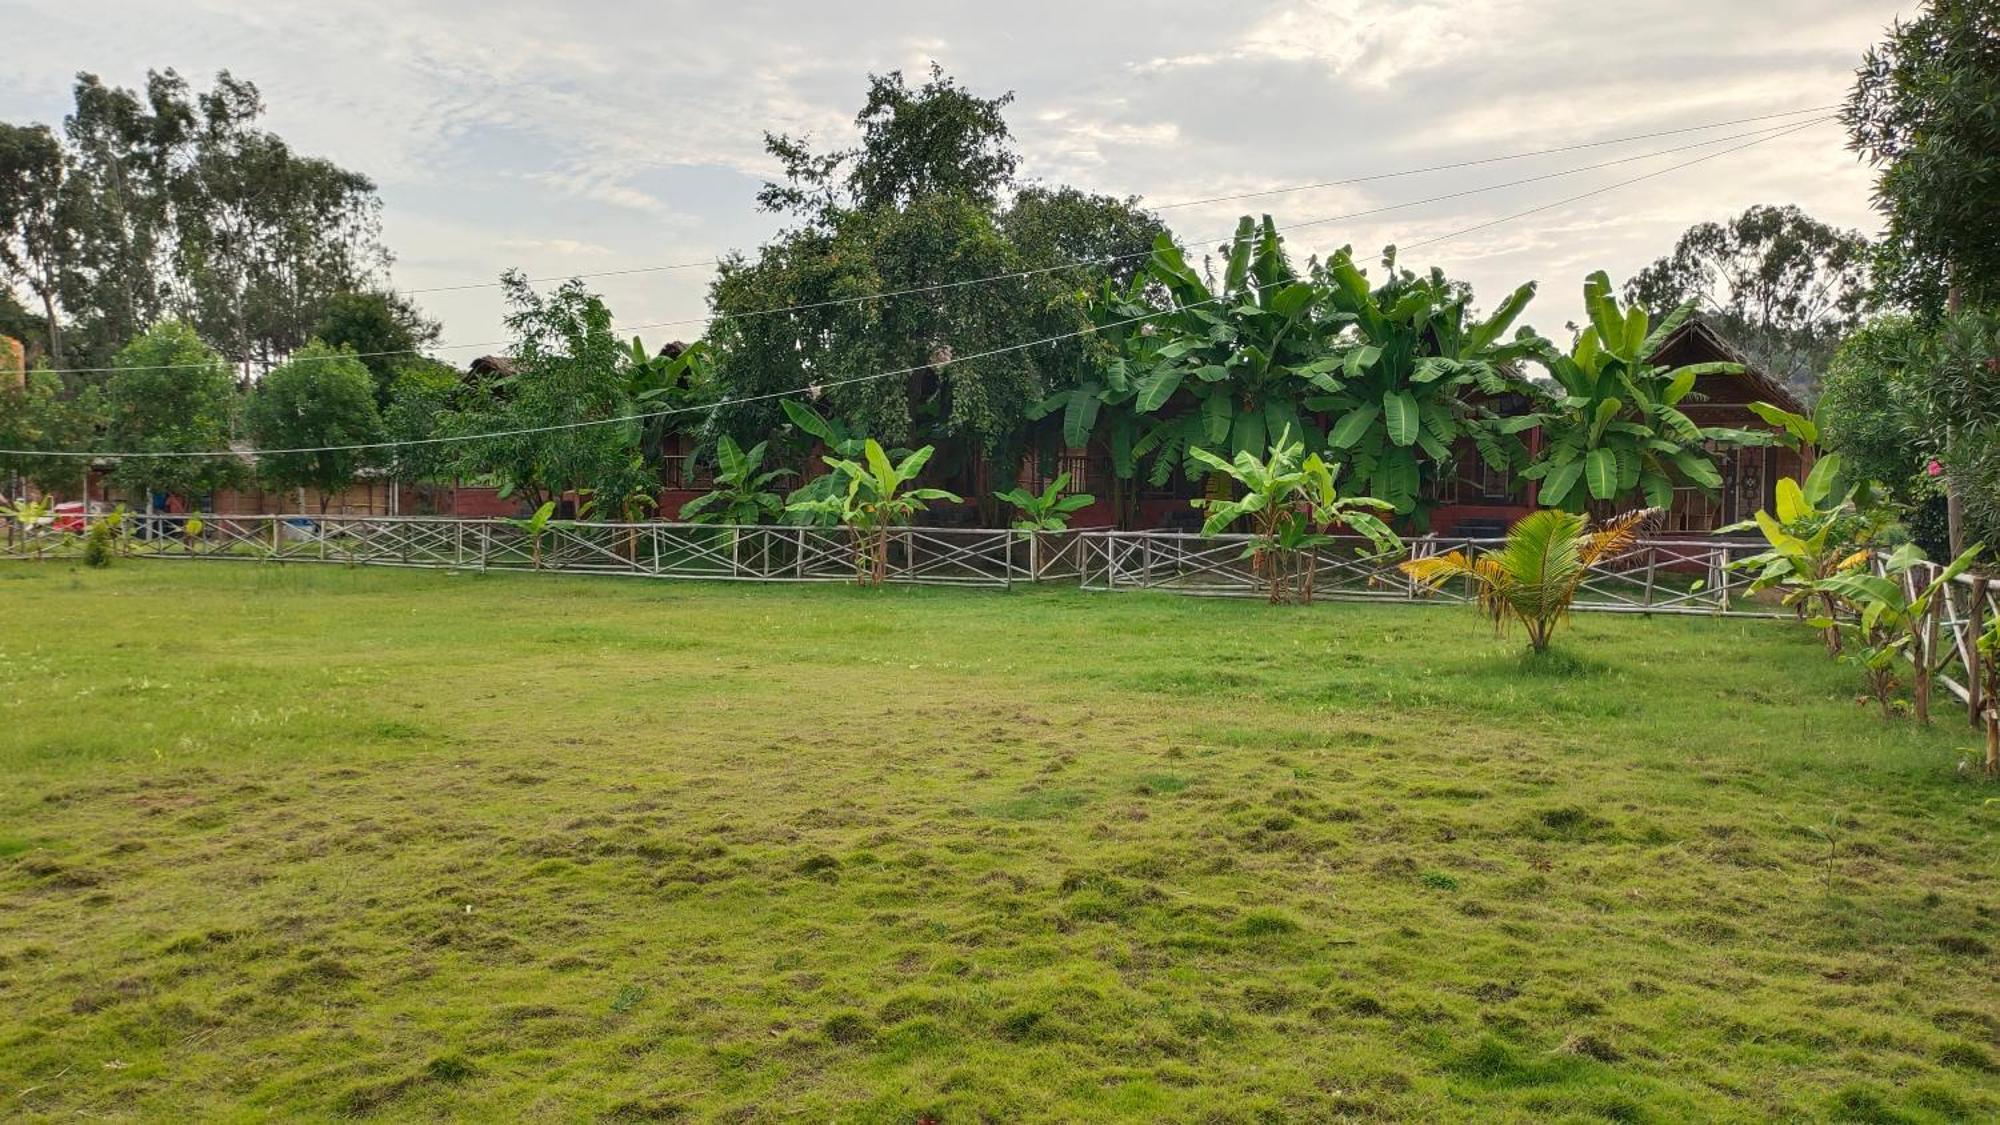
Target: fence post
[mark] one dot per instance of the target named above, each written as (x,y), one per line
(1652,564)
(1975,703)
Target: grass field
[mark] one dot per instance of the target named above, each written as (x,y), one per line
(318,842)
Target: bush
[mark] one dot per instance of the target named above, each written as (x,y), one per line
(98,545)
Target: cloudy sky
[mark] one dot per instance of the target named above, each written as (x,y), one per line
(529,135)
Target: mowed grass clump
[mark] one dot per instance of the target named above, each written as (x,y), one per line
(318,842)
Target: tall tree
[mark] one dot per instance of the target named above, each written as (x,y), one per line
(264,237)
(1922,110)
(382,328)
(173,202)
(35,235)
(1868,411)
(1779,284)
(317,401)
(123,152)
(170,393)
(915,209)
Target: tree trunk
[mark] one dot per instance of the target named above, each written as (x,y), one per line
(55,322)
(1992,744)
(1954,500)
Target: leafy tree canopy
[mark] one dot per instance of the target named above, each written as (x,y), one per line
(172,202)
(1867,410)
(1779,284)
(568,368)
(43,414)
(920,204)
(170,392)
(376,325)
(1922,110)
(321,397)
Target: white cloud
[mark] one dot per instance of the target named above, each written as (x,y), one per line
(506,133)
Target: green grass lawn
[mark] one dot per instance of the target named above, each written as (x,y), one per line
(318,842)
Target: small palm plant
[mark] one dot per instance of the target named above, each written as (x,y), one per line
(875,499)
(742,493)
(1534,577)
(533,527)
(1293,504)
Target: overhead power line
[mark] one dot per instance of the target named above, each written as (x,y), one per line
(816,388)
(1083,263)
(1259,193)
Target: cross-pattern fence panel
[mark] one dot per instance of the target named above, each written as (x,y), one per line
(918,556)
(1654,576)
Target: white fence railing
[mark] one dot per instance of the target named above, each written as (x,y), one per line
(1653,576)
(765,553)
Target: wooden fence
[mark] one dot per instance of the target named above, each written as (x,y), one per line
(1667,576)
(1654,576)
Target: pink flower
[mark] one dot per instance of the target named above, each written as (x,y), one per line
(1935,468)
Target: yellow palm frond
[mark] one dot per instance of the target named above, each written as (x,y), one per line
(1436,570)
(1616,536)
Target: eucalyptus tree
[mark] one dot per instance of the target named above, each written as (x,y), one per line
(36,238)
(1783,286)
(1613,424)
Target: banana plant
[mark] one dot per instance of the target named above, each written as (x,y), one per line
(1293,505)
(1892,622)
(533,527)
(671,380)
(31,516)
(803,504)
(1534,577)
(1614,423)
(1408,376)
(742,493)
(874,498)
(1192,366)
(1048,511)
(1815,535)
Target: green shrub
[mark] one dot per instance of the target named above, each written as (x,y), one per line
(98,545)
